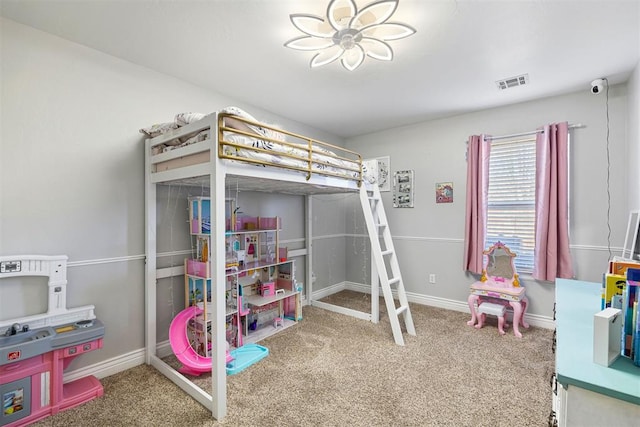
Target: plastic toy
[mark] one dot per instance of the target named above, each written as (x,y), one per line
(267,289)
(192,362)
(277,321)
(246,356)
(494,309)
(35,350)
(498,285)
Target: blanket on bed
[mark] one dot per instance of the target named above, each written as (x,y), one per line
(183,119)
(287,154)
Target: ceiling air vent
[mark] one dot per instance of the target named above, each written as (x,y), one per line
(513,81)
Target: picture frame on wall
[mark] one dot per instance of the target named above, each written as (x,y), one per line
(383,173)
(444,192)
(403,191)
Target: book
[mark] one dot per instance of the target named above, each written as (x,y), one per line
(620,267)
(636,339)
(613,284)
(630,297)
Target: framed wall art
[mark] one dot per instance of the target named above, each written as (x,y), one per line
(444,192)
(383,173)
(403,189)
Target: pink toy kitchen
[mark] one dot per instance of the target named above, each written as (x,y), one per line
(35,350)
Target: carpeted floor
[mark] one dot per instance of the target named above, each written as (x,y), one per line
(335,370)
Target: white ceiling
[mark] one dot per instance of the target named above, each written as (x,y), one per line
(448,67)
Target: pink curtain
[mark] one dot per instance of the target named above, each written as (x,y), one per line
(552,257)
(476,206)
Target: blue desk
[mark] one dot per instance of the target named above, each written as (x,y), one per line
(576,303)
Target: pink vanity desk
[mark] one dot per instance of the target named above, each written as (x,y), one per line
(499,285)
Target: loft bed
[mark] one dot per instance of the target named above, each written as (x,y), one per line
(186,149)
(230,145)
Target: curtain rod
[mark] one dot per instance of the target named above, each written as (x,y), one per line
(513,135)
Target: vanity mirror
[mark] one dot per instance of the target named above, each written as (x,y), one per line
(499,265)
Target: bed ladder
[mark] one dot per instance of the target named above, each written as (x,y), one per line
(376,220)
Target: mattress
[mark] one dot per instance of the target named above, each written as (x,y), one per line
(243,139)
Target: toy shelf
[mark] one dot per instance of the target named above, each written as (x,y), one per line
(260,301)
(228,312)
(248,266)
(267,331)
(245,250)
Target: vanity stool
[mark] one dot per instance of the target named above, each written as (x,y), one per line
(494,309)
(499,285)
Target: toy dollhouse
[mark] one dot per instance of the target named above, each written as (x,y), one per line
(259,284)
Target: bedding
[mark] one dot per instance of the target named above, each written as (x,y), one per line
(252,146)
(163,148)
(183,119)
(158,129)
(322,162)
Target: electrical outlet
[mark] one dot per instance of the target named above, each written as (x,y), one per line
(432,278)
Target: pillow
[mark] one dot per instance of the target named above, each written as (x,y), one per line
(368,175)
(265,145)
(242,126)
(237,124)
(158,129)
(238,112)
(184,119)
(181,119)
(274,134)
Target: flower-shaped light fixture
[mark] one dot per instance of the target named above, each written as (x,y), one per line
(349,34)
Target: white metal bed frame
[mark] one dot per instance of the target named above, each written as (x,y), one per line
(213,174)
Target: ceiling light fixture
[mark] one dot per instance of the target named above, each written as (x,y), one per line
(349,34)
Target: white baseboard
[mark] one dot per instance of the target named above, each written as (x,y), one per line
(117,364)
(164,349)
(449,304)
(108,367)
(137,357)
(329,290)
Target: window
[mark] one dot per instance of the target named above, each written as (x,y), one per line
(511,199)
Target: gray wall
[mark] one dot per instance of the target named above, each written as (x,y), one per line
(633,159)
(429,237)
(330,255)
(72,178)
(71,182)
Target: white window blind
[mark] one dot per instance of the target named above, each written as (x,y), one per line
(511,199)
